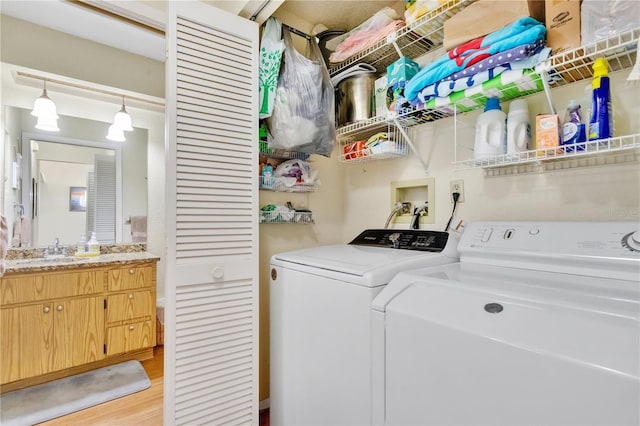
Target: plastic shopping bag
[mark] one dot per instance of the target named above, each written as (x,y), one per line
(303,118)
(271,47)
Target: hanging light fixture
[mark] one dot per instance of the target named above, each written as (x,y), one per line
(48,124)
(122,119)
(115,134)
(45,110)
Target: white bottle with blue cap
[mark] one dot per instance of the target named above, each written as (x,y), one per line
(491,131)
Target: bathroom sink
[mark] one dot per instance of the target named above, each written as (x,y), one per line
(51,259)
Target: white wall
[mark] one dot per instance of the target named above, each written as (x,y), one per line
(601,193)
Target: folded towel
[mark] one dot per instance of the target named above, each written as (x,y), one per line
(446,87)
(523,31)
(4,242)
(17,228)
(25,231)
(138,229)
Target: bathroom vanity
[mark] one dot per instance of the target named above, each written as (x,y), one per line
(71,315)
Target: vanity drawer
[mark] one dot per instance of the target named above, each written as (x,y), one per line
(130,337)
(129,306)
(49,285)
(130,277)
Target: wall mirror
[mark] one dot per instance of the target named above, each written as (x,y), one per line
(74,181)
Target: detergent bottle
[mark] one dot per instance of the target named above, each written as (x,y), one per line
(491,131)
(601,122)
(518,127)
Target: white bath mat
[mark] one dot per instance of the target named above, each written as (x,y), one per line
(44,402)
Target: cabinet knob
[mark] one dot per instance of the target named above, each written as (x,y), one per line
(46,309)
(59,307)
(131,328)
(217,273)
(130,295)
(132,271)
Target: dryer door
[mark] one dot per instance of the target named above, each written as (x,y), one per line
(458,354)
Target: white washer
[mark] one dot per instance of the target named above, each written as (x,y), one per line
(320,340)
(537,324)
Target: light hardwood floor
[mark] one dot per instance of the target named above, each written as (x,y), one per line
(142,408)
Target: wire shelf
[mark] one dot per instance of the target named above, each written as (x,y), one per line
(304,218)
(393,145)
(567,67)
(539,157)
(423,36)
(284,184)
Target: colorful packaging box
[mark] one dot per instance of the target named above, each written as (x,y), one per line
(401,70)
(547,134)
(398,73)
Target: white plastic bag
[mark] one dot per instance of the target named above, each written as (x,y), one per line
(271,47)
(604,19)
(303,118)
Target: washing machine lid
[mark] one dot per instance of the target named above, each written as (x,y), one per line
(365,265)
(508,337)
(590,320)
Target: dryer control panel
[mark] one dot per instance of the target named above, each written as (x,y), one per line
(605,249)
(403,239)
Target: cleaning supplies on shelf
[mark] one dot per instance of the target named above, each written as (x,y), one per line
(491,131)
(573,129)
(518,127)
(601,122)
(267,177)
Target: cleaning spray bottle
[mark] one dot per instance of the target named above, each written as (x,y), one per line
(601,122)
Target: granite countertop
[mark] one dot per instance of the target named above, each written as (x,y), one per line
(31,260)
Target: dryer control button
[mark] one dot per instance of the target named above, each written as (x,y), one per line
(534,231)
(486,235)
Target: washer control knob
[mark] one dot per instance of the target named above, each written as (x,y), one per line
(632,241)
(395,239)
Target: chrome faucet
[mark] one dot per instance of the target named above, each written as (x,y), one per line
(55,249)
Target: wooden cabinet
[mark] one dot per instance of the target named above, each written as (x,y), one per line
(131,309)
(58,323)
(63,329)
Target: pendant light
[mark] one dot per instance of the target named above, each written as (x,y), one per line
(122,119)
(45,110)
(115,134)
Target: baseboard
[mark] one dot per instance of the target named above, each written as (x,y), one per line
(264,404)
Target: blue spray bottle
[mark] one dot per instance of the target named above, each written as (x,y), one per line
(601,122)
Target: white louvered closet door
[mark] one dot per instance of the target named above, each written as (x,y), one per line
(211,345)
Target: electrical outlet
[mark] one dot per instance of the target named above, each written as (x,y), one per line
(456,186)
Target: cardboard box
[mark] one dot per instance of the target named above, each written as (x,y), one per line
(562,19)
(486,16)
(547,134)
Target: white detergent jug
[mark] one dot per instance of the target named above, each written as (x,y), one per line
(518,127)
(491,131)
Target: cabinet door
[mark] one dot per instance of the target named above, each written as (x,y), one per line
(130,337)
(130,277)
(79,331)
(130,306)
(26,339)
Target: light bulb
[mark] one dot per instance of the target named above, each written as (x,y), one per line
(48,124)
(115,134)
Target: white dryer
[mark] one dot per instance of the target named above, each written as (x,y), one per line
(537,324)
(320,313)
